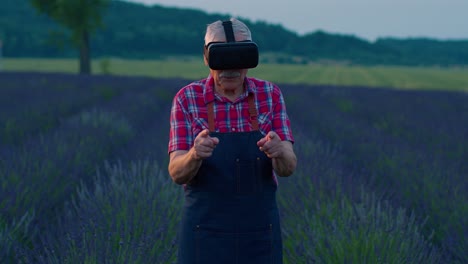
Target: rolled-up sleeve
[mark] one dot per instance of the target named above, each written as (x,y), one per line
(280,119)
(180,135)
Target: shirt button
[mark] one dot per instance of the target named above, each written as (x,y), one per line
(233,129)
(232,106)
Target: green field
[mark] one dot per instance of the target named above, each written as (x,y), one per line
(335,74)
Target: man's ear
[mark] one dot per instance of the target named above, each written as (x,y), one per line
(204,55)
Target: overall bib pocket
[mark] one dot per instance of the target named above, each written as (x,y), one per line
(215,245)
(247,176)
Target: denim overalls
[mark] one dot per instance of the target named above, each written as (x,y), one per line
(230,213)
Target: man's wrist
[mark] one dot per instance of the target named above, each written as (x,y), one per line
(193,155)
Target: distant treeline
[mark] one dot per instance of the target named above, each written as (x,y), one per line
(142,32)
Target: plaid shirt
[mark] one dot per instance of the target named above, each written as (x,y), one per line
(189,115)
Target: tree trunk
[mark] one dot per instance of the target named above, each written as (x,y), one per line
(85,57)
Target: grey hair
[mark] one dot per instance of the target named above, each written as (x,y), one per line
(215,30)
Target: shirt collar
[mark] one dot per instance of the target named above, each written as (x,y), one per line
(208,91)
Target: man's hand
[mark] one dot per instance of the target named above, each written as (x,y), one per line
(204,145)
(184,164)
(281,153)
(271,145)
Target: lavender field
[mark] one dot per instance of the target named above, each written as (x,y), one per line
(381,177)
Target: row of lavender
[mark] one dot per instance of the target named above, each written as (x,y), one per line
(91,120)
(409,147)
(92,185)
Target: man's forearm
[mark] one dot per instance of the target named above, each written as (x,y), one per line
(183,166)
(286,164)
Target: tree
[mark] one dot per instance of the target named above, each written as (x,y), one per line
(81,17)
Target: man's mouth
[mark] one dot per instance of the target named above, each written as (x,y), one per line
(229,74)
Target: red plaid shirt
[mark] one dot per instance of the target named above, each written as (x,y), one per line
(189,115)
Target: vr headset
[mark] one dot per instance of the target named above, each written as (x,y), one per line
(231,54)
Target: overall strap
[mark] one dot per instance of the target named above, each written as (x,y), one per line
(211,123)
(252,112)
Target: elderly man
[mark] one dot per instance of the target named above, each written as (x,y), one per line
(230,136)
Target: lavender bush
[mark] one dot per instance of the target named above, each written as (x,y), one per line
(409,146)
(12,235)
(130,215)
(56,160)
(45,101)
(327,221)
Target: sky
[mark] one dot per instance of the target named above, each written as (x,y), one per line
(367,19)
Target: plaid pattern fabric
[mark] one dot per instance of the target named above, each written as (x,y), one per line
(189,115)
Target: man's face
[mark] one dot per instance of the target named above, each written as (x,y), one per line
(228,80)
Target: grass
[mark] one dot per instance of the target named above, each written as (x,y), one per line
(432,78)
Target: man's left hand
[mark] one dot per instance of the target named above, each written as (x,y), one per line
(271,145)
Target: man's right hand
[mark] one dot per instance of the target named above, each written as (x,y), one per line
(204,145)
(184,164)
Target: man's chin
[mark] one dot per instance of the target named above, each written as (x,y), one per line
(230,87)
